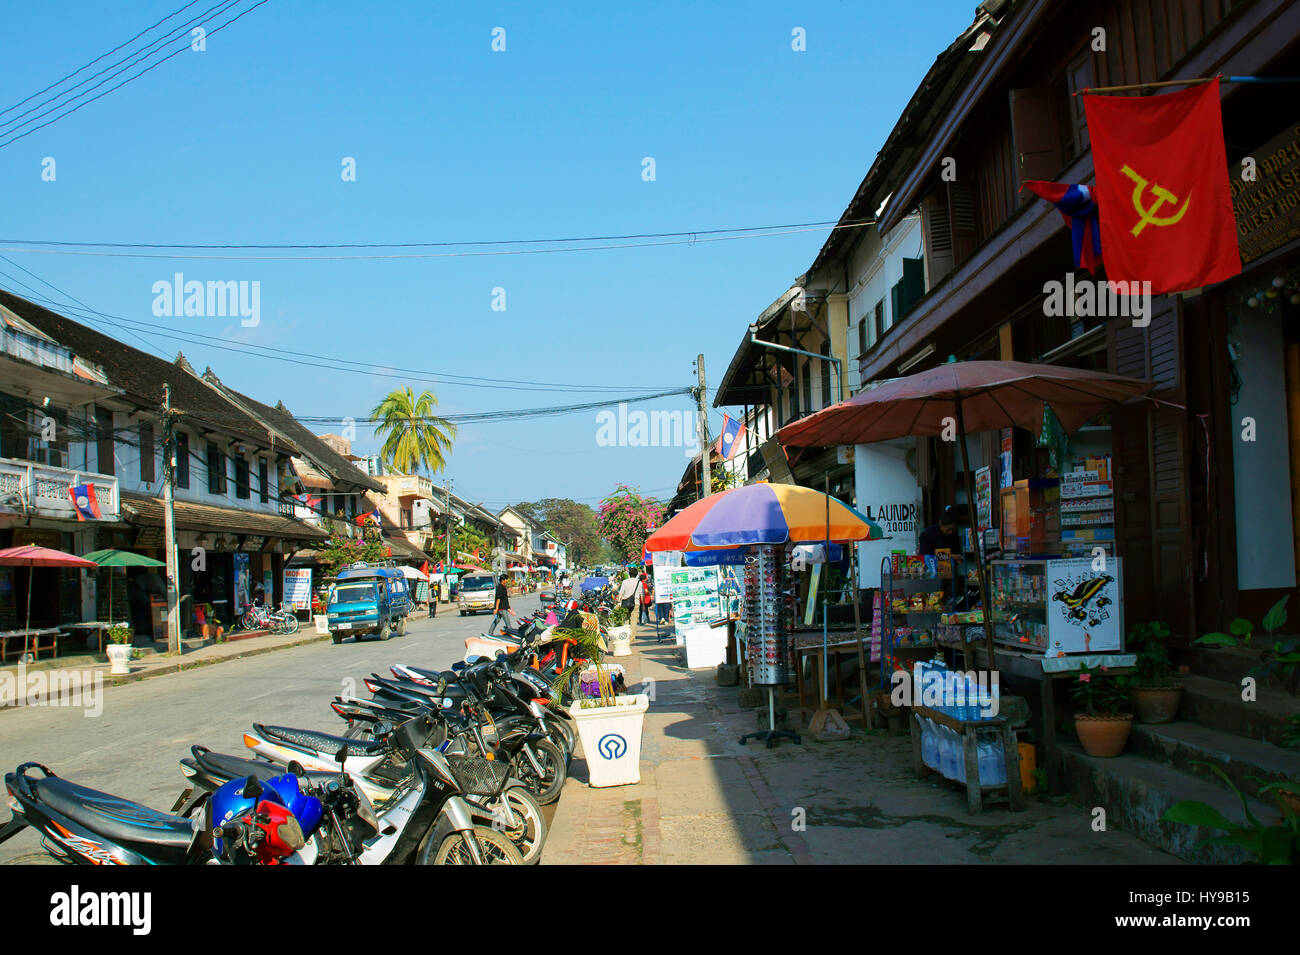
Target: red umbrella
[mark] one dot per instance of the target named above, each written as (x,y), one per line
(965,395)
(29,555)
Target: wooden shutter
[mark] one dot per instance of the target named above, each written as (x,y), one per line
(1150,452)
(961,217)
(937,233)
(104,440)
(1036,134)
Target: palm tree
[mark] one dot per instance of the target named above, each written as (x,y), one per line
(413,435)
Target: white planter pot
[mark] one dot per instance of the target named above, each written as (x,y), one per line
(620,641)
(119,655)
(322,623)
(611,739)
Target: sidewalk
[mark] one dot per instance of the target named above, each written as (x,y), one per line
(705,799)
(194,653)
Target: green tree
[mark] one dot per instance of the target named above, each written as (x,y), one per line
(569,522)
(626,519)
(413,435)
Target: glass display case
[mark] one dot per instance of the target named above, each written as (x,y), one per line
(1058,606)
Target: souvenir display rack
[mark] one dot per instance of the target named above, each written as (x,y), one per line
(768,615)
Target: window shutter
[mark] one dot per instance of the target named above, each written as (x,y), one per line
(937,235)
(961,212)
(1035,133)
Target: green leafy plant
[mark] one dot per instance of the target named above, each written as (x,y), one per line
(587,651)
(1153,665)
(1040,780)
(119,634)
(1277,656)
(1097,693)
(619,617)
(1270,845)
(1291,736)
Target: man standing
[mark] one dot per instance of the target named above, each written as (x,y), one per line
(501,607)
(942,535)
(435,594)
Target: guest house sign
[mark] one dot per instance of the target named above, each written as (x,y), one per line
(1268,209)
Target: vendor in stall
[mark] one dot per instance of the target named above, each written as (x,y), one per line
(942,535)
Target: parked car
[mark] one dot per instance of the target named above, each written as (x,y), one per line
(369,600)
(477,593)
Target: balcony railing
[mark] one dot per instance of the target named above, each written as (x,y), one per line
(43,489)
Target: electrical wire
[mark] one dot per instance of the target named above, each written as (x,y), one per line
(87,102)
(87,66)
(690,240)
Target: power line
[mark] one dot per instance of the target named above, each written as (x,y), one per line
(485,416)
(87,66)
(300,358)
(686,239)
(417,245)
(151,67)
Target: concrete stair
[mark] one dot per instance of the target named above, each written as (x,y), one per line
(1164,764)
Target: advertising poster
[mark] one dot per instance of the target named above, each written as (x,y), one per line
(243,583)
(695,596)
(1004,471)
(297,587)
(984,498)
(1084,607)
(887,493)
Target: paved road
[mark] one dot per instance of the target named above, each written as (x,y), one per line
(132,749)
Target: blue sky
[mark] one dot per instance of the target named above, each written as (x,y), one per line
(244,142)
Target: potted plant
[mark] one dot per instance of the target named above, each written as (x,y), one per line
(620,631)
(119,648)
(1104,725)
(1155,694)
(609,726)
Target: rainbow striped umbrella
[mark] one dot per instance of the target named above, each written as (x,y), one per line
(762,514)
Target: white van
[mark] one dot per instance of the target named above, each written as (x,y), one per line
(477,593)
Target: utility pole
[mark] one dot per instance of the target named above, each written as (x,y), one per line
(169,525)
(706,483)
(446,568)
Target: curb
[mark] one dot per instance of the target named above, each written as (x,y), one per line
(166,669)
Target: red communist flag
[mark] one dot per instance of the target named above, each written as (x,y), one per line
(1162,188)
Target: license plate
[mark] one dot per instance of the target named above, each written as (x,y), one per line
(344,626)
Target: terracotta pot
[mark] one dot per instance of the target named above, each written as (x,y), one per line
(1103,735)
(1157,704)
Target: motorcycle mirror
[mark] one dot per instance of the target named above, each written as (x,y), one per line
(296,769)
(341,756)
(252,787)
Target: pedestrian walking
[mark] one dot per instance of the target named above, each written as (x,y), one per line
(647,599)
(435,594)
(629,593)
(501,608)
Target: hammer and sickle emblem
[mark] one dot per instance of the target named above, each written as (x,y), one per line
(1147,214)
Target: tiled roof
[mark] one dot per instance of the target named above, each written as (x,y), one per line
(144,510)
(283,422)
(142,376)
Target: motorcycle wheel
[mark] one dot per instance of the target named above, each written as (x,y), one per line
(496,849)
(528,832)
(545,788)
(561,734)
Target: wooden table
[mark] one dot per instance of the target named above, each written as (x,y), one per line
(31,640)
(97,627)
(968,730)
(1030,665)
(834,650)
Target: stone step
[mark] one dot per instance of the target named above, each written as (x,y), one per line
(1249,763)
(1136,792)
(1226,664)
(1218,705)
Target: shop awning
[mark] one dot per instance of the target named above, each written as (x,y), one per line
(145,511)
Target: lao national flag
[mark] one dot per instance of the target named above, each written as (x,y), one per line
(732,431)
(307,501)
(1163,189)
(85,502)
(1079,209)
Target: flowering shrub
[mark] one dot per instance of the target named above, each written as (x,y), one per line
(626,519)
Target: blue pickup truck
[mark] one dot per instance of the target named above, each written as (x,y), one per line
(369,600)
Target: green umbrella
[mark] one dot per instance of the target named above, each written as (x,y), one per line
(119,558)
